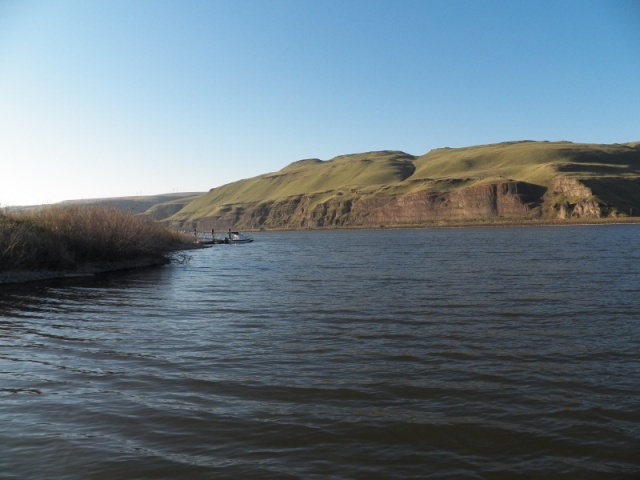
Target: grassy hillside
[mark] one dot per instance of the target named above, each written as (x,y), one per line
(136,204)
(315,178)
(533,162)
(608,176)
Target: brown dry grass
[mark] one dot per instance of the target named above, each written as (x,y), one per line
(65,238)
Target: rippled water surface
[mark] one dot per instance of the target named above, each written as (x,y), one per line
(452,353)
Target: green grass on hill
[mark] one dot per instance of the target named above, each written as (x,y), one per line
(533,162)
(309,177)
(441,170)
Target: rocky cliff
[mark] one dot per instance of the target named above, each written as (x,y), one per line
(492,200)
(512,181)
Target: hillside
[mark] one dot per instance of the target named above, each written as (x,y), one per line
(506,181)
(138,204)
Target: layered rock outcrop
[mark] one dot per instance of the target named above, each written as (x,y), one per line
(569,198)
(509,199)
(511,181)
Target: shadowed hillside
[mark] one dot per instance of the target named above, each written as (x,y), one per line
(137,204)
(512,180)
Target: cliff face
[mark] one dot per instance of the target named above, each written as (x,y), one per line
(511,180)
(570,198)
(507,199)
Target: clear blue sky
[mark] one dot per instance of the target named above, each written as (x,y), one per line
(126,97)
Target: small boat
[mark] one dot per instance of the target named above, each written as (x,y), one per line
(213,241)
(237,237)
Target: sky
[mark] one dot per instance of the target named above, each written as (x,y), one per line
(104,98)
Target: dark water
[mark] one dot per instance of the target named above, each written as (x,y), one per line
(454,353)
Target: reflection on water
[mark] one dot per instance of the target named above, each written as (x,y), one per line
(482,353)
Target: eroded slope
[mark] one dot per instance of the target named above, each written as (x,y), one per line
(509,180)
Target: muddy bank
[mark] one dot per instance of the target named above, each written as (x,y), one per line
(23,276)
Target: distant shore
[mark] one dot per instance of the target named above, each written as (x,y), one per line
(531,223)
(468,223)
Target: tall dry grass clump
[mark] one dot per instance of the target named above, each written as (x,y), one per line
(61,238)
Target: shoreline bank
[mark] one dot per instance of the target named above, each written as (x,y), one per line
(33,275)
(467,223)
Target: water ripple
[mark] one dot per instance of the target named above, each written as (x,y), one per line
(475,353)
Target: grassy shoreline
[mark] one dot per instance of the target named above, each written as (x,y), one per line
(66,241)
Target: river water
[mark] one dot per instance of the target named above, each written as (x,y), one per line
(436,353)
